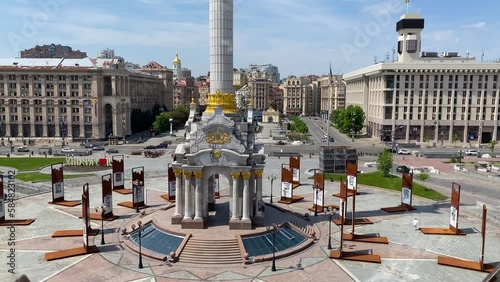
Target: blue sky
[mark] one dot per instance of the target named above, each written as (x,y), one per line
(299,36)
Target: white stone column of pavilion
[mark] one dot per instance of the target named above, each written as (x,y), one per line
(258,192)
(246,195)
(179,190)
(235,210)
(199,196)
(188,211)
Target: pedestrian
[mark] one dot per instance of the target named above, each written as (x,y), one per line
(415,224)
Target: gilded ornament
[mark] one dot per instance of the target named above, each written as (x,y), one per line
(217,137)
(188,174)
(246,175)
(236,174)
(198,174)
(258,173)
(178,172)
(217,154)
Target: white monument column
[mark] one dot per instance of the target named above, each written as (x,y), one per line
(188,211)
(234,208)
(258,192)
(178,192)
(199,196)
(246,195)
(221,46)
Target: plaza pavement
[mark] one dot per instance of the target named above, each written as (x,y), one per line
(410,256)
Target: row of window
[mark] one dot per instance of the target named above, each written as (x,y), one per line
(48,77)
(38,118)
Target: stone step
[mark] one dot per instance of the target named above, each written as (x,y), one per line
(211,252)
(207,246)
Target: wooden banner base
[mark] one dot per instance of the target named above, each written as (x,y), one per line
(66,203)
(131,205)
(441,231)
(320,208)
(123,191)
(356,256)
(73,233)
(467,264)
(295,185)
(289,201)
(70,253)
(108,217)
(167,197)
(368,238)
(399,208)
(350,193)
(16,222)
(216,195)
(348,221)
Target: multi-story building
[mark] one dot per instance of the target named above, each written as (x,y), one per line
(259,92)
(240,77)
(430,97)
(184,91)
(203,91)
(53,51)
(268,72)
(299,95)
(241,97)
(332,96)
(166,76)
(72,98)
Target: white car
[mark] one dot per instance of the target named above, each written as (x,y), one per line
(67,150)
(404,152)
(471,152)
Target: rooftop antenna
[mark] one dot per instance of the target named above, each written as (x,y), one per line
(393,54)
(387,56)
(407,5)
(375,59)
(482,55)
(467,53)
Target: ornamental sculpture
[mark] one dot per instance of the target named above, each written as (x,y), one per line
(217,137)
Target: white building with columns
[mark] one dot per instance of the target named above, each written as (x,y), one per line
(427,96)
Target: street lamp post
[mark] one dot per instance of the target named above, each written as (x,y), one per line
(352,126)
(100,209)
(275,228)
(139,227)
(330,212)
(271,177)
(124,133)
(171,120)
(63,129)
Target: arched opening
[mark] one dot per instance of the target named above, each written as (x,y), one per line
(108,120)
(218,200)
(270,119)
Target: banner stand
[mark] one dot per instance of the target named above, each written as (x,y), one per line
(319,193)
(86,218)
(138,190)
(287,196)
(118,165)
(406,195)
(365,255)
(57,171)
(85,249)
(467,264)
(107,200)
(454,215)
(3,213)
(295,167)
(171,182)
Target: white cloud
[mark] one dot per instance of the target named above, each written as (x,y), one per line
(476,25)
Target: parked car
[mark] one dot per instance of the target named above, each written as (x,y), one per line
(162,145)
(404,152)
(98,148)
(112,151)
(150,147)
(403,168)
(67,150)
(23,149)
(392,149)
(472,152)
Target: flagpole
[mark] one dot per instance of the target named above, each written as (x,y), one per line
(407,5)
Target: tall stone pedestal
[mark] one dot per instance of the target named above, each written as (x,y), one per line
(176,219)
(240,224)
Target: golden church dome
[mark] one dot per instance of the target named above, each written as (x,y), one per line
(176,61)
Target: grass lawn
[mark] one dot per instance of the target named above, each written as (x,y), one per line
(42,177)
(392,182)
(24,164)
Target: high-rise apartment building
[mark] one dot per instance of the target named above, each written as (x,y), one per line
(53,51)
(427,95)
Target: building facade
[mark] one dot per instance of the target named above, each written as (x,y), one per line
(184,91)
(260,92)
(429,98)
(53,51)
(75,99)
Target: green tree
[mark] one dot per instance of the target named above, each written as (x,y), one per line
(422,176)
(162,122)
(492,145)
(454,138)
(384,162)
(349,119)
(427,139)
(180,115)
